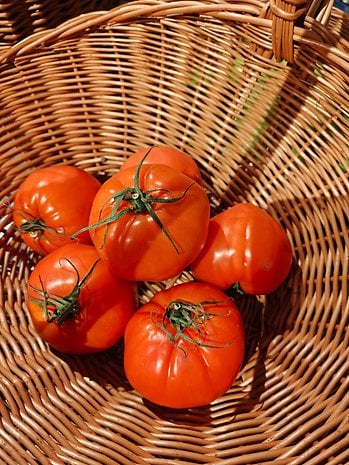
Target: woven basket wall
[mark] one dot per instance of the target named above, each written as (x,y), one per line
(19,18)
(214,82)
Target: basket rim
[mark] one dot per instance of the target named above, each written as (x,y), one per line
(254,12)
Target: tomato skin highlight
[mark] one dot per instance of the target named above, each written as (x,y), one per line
(246,246)
(182,374)
(170,156)
(59,197)
(135,246)
(106,302)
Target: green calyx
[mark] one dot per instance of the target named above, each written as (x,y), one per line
(135,200)
(35,227)
(60,309)
(185,320)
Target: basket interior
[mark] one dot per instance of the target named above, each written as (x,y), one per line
(261,131)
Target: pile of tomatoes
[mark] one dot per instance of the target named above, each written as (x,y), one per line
(150,221)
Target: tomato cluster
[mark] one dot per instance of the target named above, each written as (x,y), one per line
(150,221)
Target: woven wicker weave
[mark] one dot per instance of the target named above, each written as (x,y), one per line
(338,23)
(200,76)
(19,18)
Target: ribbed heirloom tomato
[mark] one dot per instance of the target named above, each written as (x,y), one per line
(149,222)
(53,203)
(185,347)
(166,155)
(76,305)
(245,246)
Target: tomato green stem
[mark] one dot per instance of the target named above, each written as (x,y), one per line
(181,316)
(139,201)
(237,289)
(60,309)
(35,226)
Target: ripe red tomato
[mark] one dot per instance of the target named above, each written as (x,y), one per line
(245,246)
(152,222)
(185,347)
(76,305)
(170,156)
(53,203)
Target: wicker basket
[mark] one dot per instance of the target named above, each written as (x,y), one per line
(267,120)
(19,18)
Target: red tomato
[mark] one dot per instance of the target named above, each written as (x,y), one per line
(152,222)
(53,203)
(185,347)
(169,156)
(245,246)
(76,305)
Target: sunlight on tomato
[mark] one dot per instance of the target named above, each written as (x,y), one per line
(245,246)
(185,347)
(53,203)
(149,222)
(76,305)
(166,155)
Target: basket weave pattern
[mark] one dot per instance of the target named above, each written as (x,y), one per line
(19,18)
(199,76)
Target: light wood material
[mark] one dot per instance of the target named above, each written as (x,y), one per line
(203,77)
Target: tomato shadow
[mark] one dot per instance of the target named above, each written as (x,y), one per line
(266,319)
(103,368)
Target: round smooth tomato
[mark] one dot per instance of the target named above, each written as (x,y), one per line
(245,246)
(185,347)
(170,156)
(150,222)
(53,203)
(76,305)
